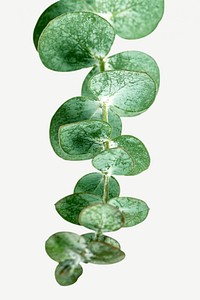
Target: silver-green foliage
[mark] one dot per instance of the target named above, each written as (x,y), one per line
(131,19)
(134,61)
(74,41)
(80,109)
(75,34)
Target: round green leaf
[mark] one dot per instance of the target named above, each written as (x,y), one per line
(56,10)
(136,150)
(114,161)
(129,93)
(134,210)
(131,19)
(67,272)
(70,207)
(92,237)
(62,246)
(75,110)
(135,61)
(94,183)
(84,139)
(74,41)
(104,254)
(101,217)
(49,14)
(134,19)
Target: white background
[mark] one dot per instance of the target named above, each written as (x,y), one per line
(162,253)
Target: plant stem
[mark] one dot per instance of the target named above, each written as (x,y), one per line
(105,119)
(102,65)
(98,234)
(105,189)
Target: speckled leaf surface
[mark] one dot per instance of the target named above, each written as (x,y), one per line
(103,253)
(86,91)
(134,210)
(74,41)
(131,19)
(56,10)
(79,109)
(102,217)
(94,183)
(49,14)
(114,121)
(70,207)
(67,272)
(91,237)
(129,93)
(114,161)
(136,150)
(135,61)
(63,246)
(84,139)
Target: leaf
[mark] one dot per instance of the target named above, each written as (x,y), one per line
(62,246)
(92,237)
(136,150)
(94,183)
(135,61)
(56,10)
(101,217)
(103,253)
(134,210)
(75,110)
(129,93)
(131,19)
(74,41)
(49,14)
(111,12)
(70,207)
(84,139)
(67,272)
(113,161)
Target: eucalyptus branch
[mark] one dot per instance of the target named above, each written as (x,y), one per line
(75,34)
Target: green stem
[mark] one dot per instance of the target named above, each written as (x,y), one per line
(98,234)
(105,119)
(105,189)
(102,65)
